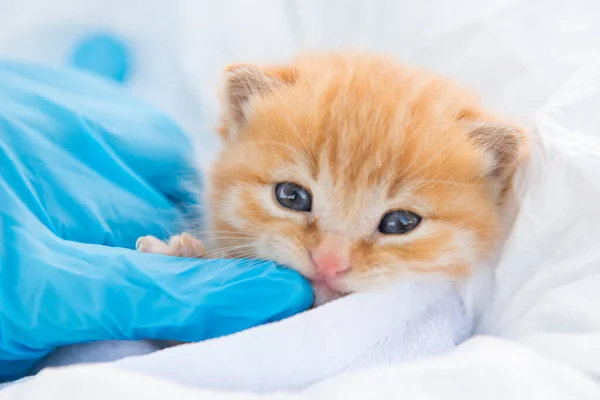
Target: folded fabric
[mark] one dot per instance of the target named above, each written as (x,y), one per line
(482,368)
(405,322)
(97,352)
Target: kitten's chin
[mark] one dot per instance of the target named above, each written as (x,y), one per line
(324,293)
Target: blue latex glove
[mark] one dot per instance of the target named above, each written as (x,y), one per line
(85,169)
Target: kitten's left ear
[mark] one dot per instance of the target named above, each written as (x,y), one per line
(503,144)
(243,85)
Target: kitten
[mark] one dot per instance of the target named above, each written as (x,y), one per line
(355,171)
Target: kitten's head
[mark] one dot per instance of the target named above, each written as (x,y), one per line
(356,171)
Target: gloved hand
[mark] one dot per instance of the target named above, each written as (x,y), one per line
(85,169)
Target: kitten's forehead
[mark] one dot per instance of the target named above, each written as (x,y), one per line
(367,127)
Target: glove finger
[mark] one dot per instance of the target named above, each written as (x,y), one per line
(61,293)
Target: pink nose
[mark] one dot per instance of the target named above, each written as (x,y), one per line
(329,265)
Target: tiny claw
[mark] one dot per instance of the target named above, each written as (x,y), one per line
(139,245)
(185,239)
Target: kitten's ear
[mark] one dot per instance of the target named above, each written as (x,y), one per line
(243,84)
(504,145)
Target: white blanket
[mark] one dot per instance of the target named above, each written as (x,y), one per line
(401,324)
(547,298)
(481,369)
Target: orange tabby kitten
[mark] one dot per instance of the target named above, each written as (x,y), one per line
(355,171)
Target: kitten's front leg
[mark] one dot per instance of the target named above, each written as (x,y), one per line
(184,245)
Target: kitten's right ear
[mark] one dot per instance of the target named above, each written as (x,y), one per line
(244,84)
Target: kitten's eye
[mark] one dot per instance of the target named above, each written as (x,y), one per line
(293,196)
(398,222)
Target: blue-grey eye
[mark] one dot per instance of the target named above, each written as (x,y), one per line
(398,222)
(293,196)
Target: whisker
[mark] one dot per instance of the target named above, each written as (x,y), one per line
(225,250)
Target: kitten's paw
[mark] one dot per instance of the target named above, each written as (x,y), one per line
(152,245)
(184,245)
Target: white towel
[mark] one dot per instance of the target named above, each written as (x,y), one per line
(97,352)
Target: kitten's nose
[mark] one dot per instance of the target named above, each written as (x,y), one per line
(331,257)
(329,264)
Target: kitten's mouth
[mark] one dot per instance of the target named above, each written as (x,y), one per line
(324,292)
